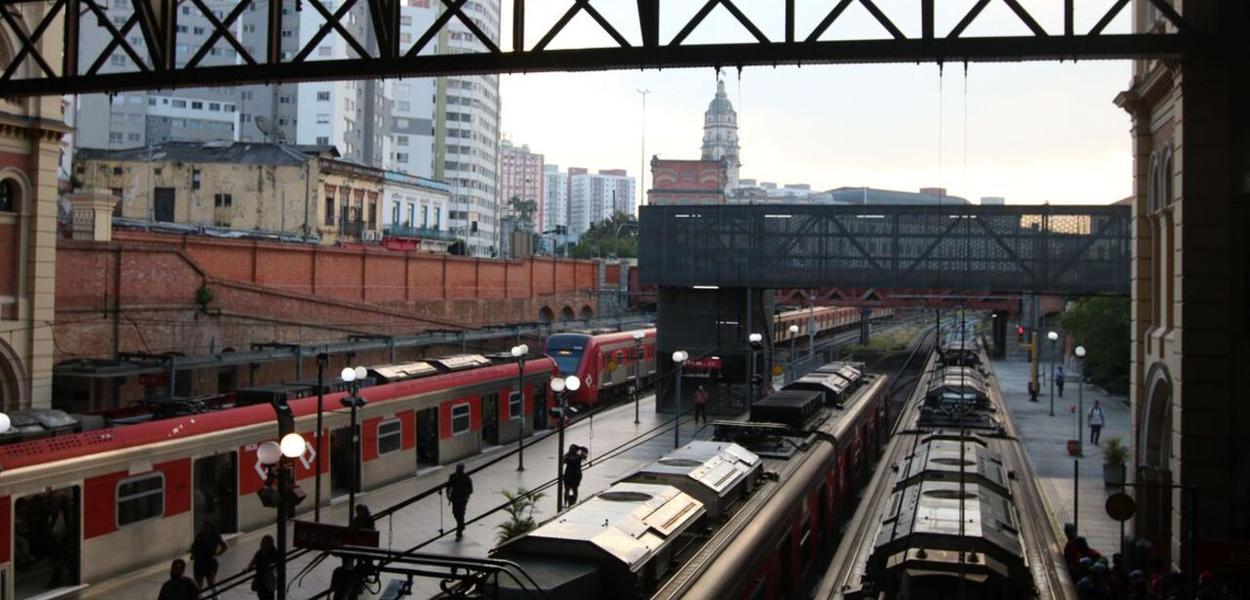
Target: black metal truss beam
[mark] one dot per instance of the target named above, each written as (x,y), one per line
(382,55)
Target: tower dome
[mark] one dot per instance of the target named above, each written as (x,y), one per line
(720,133)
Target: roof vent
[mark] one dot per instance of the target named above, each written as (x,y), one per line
(625,496)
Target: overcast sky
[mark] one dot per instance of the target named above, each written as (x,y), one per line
(1033,132)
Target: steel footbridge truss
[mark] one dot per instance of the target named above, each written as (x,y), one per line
(1070,250)
(146,48)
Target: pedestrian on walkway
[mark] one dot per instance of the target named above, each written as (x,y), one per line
(179,586)
(208,545)
(572,473)
(264,583)
(459,488)
(700,405)
(1059,380)
(1096,420)
(363,518)
(347,581)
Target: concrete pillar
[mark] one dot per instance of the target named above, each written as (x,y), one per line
(92,212)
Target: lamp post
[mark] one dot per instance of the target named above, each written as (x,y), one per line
(638,335)
(353,377)
(519,353)
(679,357)
(561,386)
(754,340)
(278,455)
(322,360)
(1079,351)
(1053,337)
(794,334)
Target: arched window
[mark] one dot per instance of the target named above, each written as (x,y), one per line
(8,196)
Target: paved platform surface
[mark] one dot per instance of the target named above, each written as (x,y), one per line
(421,521)
(1045,440)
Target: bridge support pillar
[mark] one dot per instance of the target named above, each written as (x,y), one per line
(865,325)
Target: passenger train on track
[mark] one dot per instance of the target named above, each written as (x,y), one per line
(745,515)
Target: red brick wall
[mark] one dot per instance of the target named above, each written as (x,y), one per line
(287,293)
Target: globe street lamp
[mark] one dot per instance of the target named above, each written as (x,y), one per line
(755,339)
(519,353)
(353,377)
(1053,337)
(277,456)
(679,357)
(1079,351)
(638,335)
(5,423)
(562,386)
(794,334)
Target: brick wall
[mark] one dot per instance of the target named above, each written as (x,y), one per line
(138,293)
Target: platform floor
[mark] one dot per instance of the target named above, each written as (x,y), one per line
(422,521)
(1045,439)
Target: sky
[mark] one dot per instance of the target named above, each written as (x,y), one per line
(1031,132)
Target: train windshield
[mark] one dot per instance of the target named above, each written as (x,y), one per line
(567,351)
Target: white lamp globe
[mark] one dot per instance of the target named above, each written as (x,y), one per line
(680,356)
(557,384)
(269,453)
(1052,336)
(5,423)
(755,338)
(292,445)
(638,335)
(348,374)
(361,373)
(794,329)
(1080,351)
(519,351)
(572,383)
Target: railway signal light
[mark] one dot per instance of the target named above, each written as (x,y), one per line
(1020,333)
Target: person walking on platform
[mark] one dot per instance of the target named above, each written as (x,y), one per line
(459,488)
(1059,380)
(264,583)
(572,473)
(179,586)
(700,405)
(208,545)
(1033,388)
(1096,421)
(363,518)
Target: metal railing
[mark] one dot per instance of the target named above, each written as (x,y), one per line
(426,233)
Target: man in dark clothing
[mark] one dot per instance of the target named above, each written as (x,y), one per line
(572,474)
(700,405)
(204,551)
(179,586)
(1059,380)
(459,488)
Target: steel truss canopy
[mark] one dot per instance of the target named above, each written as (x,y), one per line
(1077,250)
(146,49)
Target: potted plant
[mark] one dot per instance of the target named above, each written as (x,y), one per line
(520,509)
(1114,455)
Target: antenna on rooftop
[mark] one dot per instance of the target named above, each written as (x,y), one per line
(269,128)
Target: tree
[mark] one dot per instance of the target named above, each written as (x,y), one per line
(1102,325)
(524,210)
(616,236)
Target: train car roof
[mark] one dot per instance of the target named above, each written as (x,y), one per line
(629,524)
(709,471)
(927,514)
(939,458)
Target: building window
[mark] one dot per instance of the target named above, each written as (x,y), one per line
(195,179)
(516,408)
(222,200)
(395,213)
(390,436)
(323,141)
(425,217)
(401,157)
(460,422)
(179,104)
(329,206)
(8,196)
(140,498)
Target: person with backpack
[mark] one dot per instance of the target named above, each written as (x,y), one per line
(572,474)
(208,545)
(1096,420)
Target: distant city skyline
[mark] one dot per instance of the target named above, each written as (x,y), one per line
(1036,132)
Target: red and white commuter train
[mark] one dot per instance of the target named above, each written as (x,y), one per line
(78,509)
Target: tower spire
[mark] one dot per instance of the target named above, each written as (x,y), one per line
(720,133)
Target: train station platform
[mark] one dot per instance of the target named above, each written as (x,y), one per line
(422,520)
(1045,439)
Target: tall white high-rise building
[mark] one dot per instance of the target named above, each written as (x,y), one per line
(595,197)
(720,134)
(555,198)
